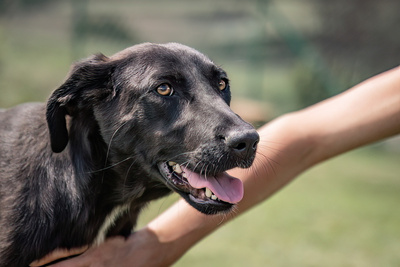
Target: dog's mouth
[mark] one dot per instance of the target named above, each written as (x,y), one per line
(208,194)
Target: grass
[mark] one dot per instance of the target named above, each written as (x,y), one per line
(343,212)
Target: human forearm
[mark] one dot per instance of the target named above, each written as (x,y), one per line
(366,113)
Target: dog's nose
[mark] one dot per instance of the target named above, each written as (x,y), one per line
(243,143)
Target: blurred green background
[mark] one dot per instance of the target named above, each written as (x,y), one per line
(281,56)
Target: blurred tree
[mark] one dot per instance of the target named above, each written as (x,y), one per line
(358,38)
(21,5)
(84,25)
(106,27)
(355,39)
(310,85)
(312,78)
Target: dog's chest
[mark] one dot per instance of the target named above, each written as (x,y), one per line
(109,221)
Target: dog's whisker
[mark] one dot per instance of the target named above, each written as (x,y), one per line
(111,139)
(111,166)
(180,155)
(128,170)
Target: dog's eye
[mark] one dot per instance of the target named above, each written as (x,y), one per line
(222,85)
(165,89)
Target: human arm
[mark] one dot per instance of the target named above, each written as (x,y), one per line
(289,145)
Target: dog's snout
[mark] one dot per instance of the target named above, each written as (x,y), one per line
(242,143)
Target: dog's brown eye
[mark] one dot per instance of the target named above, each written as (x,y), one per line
(222,85)
(165,89)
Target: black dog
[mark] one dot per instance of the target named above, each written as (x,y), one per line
(120,131)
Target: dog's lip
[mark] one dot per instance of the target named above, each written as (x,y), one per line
(208,190)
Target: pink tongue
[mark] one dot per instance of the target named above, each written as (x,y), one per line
(224,186)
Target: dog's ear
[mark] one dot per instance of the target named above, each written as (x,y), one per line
(88,81)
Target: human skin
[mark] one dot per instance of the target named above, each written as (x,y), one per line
(288,146)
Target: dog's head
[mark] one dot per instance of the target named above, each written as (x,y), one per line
(165,107)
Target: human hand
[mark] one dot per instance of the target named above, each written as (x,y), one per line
(140,249)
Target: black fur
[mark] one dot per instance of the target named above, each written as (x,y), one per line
(99,141)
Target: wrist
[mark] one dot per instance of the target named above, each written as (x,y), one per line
(179,228)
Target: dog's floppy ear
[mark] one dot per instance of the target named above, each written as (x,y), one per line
(89,80)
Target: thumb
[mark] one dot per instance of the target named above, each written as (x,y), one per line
(58,254)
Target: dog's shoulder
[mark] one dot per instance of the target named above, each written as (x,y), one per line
(23,128)
(21,115)
(20,122)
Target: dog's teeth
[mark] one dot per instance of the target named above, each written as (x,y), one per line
(177,168)
(208,192)
(214,197)
(171,163)
(184,175)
